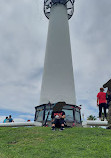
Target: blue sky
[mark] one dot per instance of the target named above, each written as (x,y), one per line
(23,35)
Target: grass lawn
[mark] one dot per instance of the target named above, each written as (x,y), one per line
(41,142)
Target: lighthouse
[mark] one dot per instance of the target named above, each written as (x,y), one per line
(58,78)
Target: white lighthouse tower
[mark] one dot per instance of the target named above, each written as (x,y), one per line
(58,78)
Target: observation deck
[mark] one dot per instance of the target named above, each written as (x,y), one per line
(68,3)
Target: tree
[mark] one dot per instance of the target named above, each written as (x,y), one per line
(91,117)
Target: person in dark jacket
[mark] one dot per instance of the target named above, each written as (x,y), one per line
(10,119)
(108,85)
(109,108)
(58,118)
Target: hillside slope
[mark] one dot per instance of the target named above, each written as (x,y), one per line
(41,142)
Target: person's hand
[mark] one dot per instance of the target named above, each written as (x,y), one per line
(60,116)
(97,104)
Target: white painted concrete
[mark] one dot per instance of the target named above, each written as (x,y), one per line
(20,124)
(58,79)
(89,123)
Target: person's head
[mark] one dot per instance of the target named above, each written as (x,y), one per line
(6,117)
(10,116)
(101,89)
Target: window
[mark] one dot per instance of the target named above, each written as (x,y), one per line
(59,1)
(40,115)
(46,114)
(77,116)
(69,115)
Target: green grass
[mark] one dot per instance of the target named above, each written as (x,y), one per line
(41,142)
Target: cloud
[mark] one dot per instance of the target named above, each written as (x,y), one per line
(19,120)
(26,116)
(21,55)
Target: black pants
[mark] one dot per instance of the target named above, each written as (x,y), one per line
(102,105)
(58,122)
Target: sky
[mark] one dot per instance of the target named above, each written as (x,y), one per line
(23,35)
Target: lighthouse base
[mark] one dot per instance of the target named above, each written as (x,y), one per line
(73,114)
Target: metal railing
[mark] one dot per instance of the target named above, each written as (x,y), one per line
(68,3)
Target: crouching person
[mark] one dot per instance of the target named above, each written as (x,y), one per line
(58,120)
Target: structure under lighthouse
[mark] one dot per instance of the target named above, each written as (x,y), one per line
(58,78)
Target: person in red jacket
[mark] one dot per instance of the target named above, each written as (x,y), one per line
(101,102)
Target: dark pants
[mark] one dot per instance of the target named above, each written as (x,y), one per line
(109,115)
(58,122)
(102,105)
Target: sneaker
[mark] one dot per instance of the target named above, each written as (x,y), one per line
(105,119)
(108,128)
(53,129)
(61,129)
